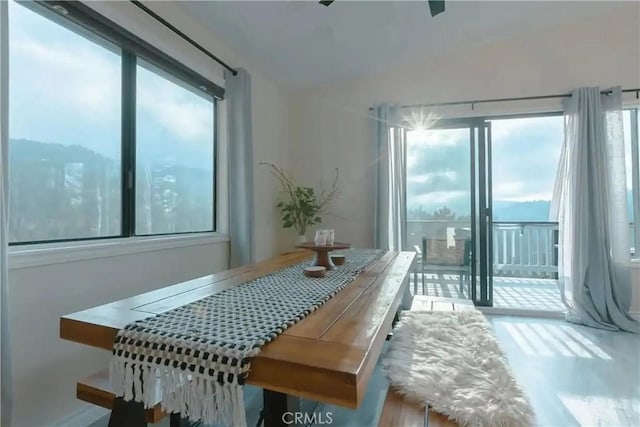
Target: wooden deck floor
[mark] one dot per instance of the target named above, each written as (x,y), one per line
(508,292)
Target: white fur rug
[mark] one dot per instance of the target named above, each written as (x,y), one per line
(452,362)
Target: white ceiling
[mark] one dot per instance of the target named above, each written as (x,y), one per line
(300,43)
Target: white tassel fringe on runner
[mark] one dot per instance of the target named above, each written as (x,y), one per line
(192,396)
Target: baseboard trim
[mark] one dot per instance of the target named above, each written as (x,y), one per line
(83,417)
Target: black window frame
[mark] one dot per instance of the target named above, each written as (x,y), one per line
(88,23)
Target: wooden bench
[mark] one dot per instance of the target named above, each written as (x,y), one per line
(396,410)
(96,389)
(425,303)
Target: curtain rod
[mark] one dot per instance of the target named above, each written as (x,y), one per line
(183,35)
(524,98)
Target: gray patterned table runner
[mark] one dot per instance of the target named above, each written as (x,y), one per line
(198,355)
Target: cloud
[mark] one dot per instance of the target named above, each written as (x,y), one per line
(525,155)
(438,170)
(65,88)
(77,73)
(435,182)
(179,111)
(448,152)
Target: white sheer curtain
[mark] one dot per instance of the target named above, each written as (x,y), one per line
(391,154)
(4,199)
(589,203)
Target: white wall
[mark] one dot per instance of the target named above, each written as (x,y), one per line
(45,368)
(329,126)
(271,144)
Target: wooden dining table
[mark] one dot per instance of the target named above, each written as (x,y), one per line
(329,356)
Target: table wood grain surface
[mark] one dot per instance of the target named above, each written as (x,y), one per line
(329,356)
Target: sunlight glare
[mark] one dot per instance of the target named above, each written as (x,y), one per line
(602,411)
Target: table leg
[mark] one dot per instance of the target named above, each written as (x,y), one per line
(407,298)
(175,420)
(127,414)
(279,409)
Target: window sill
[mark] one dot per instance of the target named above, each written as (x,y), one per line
(57,253)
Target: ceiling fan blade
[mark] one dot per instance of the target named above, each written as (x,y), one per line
(326,2)
(436,7)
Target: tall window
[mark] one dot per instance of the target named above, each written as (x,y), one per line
(107,137)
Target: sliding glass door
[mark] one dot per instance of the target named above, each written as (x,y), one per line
(449,208)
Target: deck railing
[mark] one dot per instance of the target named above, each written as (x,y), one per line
(520,249)
(525,249)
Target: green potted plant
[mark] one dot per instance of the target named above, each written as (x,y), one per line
(301,207)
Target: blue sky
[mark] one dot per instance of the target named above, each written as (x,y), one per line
(525,155)
(525,158)
(66,89)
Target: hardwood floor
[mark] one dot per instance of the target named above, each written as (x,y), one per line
(573,375)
